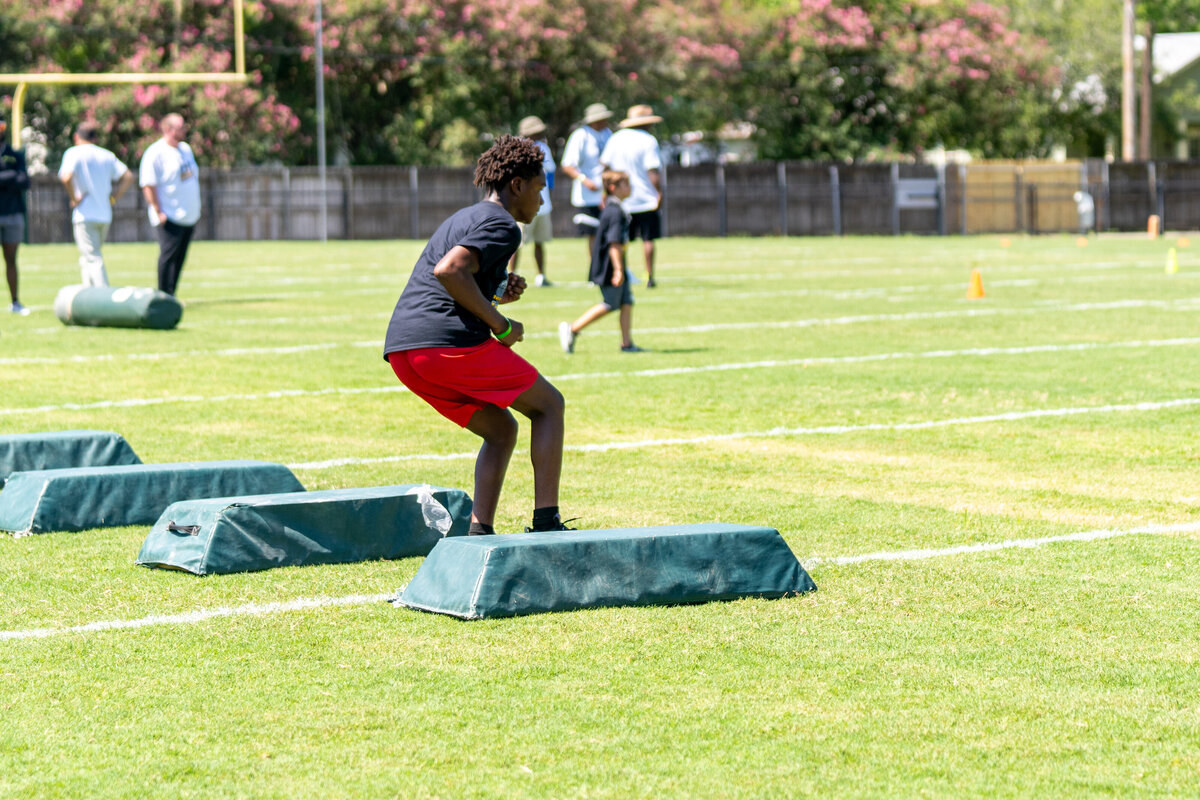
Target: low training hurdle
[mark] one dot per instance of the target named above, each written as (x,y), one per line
(77,499)
(478,577)
(335,526)
(62,449)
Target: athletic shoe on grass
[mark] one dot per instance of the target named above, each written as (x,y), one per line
(557,525)
(631,348)
(566,337)
(17,308)
(540,280)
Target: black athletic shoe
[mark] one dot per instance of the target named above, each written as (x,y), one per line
(557,525)
(631,348)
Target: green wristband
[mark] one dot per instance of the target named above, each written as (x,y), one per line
(507,330)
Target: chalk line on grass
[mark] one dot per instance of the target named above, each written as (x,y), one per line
(1179,304)
(191,617)
(309,603)
(136,402)
(781,432)
(645,373)
(991,547)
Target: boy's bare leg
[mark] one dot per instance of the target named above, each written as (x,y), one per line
(545,407)
(626,325)
(648,251)
(539,257)
(591,315)
(498,429)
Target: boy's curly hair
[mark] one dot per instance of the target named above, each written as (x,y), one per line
(509,157)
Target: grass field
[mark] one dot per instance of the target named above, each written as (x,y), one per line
(1038,445)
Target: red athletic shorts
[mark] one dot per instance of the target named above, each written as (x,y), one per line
(458,381)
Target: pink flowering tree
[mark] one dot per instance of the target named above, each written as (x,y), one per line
(876,80)
(416,81)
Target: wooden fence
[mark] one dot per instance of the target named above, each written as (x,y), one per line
(756,199)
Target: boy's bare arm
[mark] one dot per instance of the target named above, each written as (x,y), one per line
(616,253)
(455,272)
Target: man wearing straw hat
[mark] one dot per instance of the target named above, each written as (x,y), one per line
(581,163)
(634,151)
(540,230)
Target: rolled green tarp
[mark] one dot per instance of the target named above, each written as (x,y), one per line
(117,307)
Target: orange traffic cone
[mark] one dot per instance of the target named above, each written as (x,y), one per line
(975,289)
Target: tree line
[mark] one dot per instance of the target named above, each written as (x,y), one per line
(427,81)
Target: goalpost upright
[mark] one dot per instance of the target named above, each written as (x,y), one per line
(24,80)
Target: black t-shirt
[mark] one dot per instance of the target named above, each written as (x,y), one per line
(426,315)
(613,229)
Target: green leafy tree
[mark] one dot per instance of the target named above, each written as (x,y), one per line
(881,79)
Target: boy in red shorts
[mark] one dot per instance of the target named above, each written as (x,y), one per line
(451,347)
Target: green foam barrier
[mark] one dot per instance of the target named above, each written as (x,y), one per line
(103,497)
(117,307)
(335,526)
(478,577)
(22,452)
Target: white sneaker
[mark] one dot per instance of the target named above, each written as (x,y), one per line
(17,308)
(566,337)
(540,280)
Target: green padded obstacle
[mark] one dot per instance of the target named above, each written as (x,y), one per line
(104,497)
(528,573)
(59,449)
(240,534)
(117,307)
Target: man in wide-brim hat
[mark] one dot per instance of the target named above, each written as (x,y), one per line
(634,151)
(581,163)
(540,230)
(639,117)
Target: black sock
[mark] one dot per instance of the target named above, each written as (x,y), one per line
(479,529)
(545,517)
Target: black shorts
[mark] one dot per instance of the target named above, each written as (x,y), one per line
(587,228)
(645,225)
(617,296)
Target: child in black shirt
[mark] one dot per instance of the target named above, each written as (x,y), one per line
(608,267)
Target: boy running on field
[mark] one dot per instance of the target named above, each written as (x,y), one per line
(608,267)
(450,346)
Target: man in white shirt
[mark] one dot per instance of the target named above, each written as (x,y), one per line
(634,151)
(88,173)
(581,163)
(541,230)
(170,181)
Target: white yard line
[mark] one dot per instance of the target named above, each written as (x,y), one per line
(309,603)
(781,432)
(191,617)
(225,398)
(1182,304)
(643,373)
(991,547)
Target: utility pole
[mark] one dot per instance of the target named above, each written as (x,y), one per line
(1146,100)
(1128,92)
(320,47)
